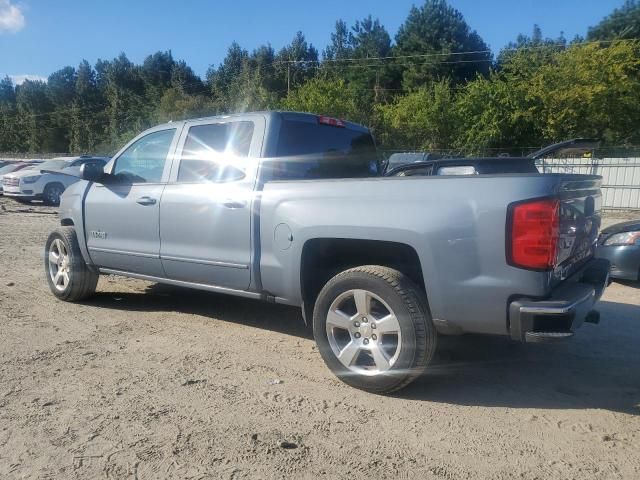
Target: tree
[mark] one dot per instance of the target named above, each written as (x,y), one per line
(527,54)
(245,82)
(156,73)
(297,62)
(61,93)
(222,79)
(8,132)
(184,79)
(370,40)
(324,96)
(34,110)
(86,116)
(341,44)
(449,48)
(624,22)
(127,109)
(591,91)
(359,56)
(61,86)
(497,113)
(424,119)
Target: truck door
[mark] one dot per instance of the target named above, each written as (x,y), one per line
(122,216)
(205,214)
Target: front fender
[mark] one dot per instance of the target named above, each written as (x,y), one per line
(71,212)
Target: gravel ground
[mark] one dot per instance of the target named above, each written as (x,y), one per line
(145,381)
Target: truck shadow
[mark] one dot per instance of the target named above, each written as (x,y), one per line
(158,297)
(598,368)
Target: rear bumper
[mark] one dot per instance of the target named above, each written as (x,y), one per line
(560,315)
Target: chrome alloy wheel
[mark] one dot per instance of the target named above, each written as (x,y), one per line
(363,332)
(59,265)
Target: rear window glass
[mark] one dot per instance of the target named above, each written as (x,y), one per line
(54,165)
(308,150)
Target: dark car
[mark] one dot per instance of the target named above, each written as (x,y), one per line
(620,244)
(427,164)
(464,166)
(406,158)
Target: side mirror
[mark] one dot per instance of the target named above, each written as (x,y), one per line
(92,172)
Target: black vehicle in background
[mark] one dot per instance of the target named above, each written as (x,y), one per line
(427,164)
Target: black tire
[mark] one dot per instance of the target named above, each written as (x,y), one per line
(409,305)
(51,194)
(82,281)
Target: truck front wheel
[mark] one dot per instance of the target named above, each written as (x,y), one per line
(67,273)
(373,328)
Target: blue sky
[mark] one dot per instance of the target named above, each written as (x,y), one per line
(38,37)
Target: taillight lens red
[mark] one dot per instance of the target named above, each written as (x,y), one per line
(534,234)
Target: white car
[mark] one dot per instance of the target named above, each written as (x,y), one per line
(31,184)
(10,167)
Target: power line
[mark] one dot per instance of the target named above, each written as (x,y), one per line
(447,54)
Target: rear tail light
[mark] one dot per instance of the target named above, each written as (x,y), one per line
(334,122)
(533,233)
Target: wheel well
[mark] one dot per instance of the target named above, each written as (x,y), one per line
(52,183)
(323,258)
(66,222)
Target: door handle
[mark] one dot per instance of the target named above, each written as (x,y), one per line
(146,201)
(234,203)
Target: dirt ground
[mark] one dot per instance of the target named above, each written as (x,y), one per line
(145,381)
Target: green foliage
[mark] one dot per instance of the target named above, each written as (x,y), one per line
(324,96)
(602,98)
(545,96)
(624,22)
(435,88)
(439,32)
(9,140)
(84,116)
(425,119)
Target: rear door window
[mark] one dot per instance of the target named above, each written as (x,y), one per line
(309,149)
(215,152)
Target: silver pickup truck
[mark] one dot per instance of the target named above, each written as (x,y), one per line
(293,208)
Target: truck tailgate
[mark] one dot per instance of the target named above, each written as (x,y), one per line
(580,218)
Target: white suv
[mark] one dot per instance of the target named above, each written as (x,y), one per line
(31,184)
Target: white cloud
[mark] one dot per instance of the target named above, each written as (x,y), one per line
(19,79)
(11,17)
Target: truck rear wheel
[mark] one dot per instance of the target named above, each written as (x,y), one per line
(373,328)
(68,276)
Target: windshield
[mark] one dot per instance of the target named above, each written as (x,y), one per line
(53,165)
(9,168)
